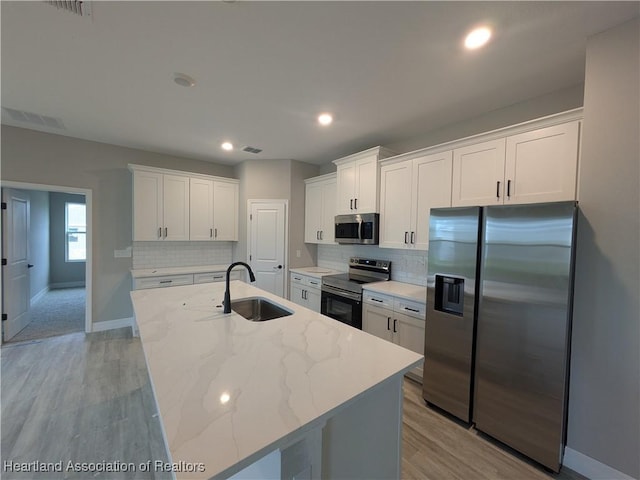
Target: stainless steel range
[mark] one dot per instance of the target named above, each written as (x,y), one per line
(341,297)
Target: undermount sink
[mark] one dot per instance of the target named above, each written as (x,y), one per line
(258,309)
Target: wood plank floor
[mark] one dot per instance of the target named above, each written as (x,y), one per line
(87,398)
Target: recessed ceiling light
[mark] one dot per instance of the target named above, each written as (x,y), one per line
(184,80)
(325,119)
(227,146)
(477,38)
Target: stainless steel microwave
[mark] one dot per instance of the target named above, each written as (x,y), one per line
(357,228)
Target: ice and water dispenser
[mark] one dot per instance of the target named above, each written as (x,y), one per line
(449,294)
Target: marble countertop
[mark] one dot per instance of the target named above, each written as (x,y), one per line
(159,272)
(417,293)
(230,390)
(316,272)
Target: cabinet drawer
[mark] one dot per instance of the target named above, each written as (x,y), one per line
(304,280)
(161,282)
(411,308)
(297,278)
(210,277)
(379,299)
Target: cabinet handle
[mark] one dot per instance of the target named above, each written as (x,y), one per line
(215,233)
(159,232)
(218,277)
(211,233)
(388,323)
(413,237)
(498,189)
(412,309)
(165,281)
(304,294)
(317,234)
(508,188)
(297,278)
(321,234)
(355,204)
(406,236)
(376,300)
(313,283)
(166,232)
(395,320)
(351,204)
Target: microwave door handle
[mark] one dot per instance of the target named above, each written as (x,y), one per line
(360,225)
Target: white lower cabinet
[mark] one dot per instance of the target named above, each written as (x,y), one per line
(395,320)
(305,291)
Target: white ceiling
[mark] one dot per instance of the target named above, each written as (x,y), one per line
(388,71)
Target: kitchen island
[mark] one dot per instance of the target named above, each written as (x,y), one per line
(303,395)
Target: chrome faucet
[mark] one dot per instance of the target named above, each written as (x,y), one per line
(227,296)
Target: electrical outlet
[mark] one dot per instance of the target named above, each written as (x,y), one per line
(126,253)
(298,254)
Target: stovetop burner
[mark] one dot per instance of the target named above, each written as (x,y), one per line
(361,271)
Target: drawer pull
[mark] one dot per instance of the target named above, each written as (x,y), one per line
(313,283)
(412,309)
(376,300)
(166,281)
(218,277)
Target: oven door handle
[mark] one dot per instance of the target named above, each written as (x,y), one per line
(341,293)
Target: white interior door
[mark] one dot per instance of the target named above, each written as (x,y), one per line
(267,228)
(15,274)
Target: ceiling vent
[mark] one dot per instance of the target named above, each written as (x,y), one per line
(34,118)
(82,8)
(251,149)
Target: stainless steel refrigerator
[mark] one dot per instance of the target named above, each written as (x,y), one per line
(499,307)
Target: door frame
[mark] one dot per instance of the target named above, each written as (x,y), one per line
(88,195)
(285,266)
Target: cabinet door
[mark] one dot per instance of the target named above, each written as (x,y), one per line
(313,212)
(175,207)
(366,188)
(377,321)
(478,174)
(200,209)
(542,165)
(225,211)
(327,227)
(297,295)
(410,334)
(313,299)
(395,205)
(346,178)
(147,206)
(431,189)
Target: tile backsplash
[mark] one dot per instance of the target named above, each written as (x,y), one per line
(409,266)
(181,254)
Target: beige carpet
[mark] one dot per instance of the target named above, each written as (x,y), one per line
(58,312)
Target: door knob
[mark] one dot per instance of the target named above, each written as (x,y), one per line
(279,267)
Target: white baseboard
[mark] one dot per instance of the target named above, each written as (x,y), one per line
(67,285)
(38,296)
(112,324)
(590,467)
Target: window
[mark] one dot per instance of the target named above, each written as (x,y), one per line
(76,232)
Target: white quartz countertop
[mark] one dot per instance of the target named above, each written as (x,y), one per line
(230,390)
(316,272)
(160,272)
(407,291)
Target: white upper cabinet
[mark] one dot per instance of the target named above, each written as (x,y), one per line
(320,209)
(201,214)
(147,206)
(542,165)
(160,206)
(171,205)
(478,174)
(408,191)
(225,210)
(534,166)
(358,181)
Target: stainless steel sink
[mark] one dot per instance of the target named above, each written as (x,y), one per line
(258,309)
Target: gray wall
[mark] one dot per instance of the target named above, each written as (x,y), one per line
(276,179)
(61,272)
(604,404)
(34,157)
(38,241)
